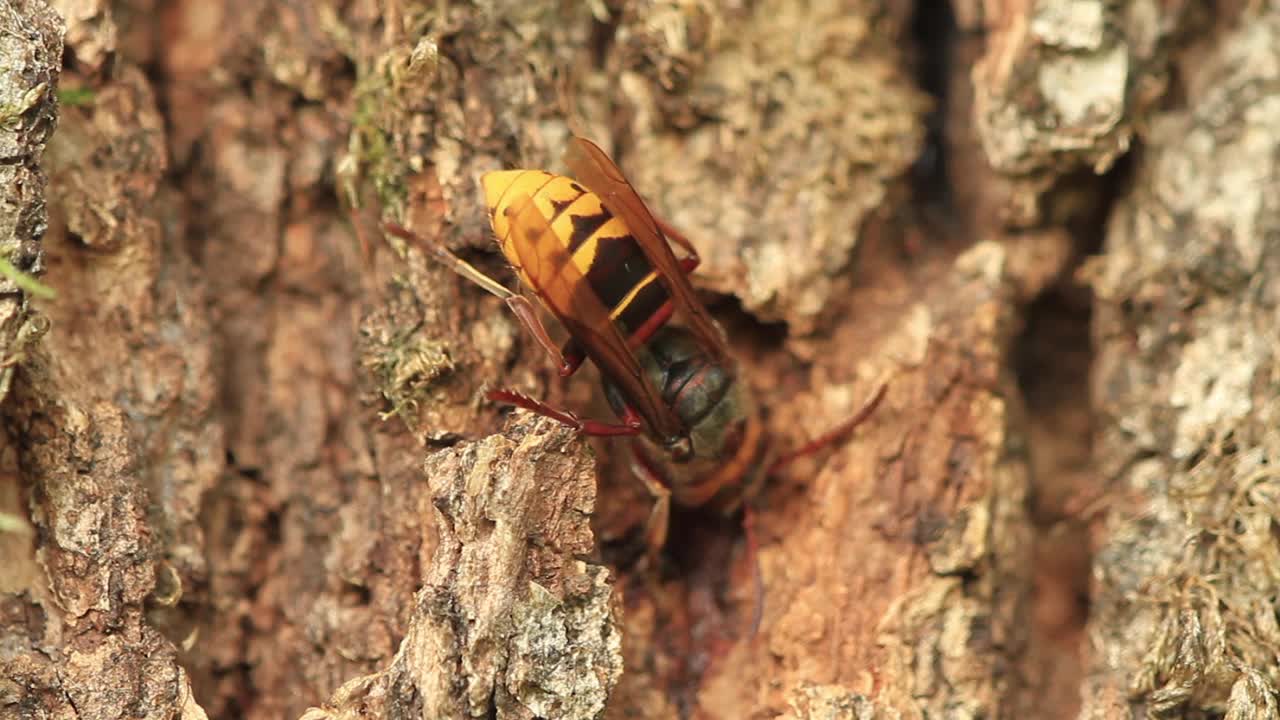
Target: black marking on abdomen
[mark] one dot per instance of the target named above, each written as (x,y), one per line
(584,226)
(619,266)
(559,206)
(642,307)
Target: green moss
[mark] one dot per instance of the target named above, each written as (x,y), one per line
(405,361)
(76,96)
(13,524)
(406,370)
(11,114)
(370,146)
(381,147)
(25,281)
(34,327)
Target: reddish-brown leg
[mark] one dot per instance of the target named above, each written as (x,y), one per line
(519,304)
(748,512)
(630,424)
(835,434)
(753,556)
(573,357)
(682,241)
(528,316)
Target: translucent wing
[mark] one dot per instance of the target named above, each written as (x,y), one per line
(589,165)
(570,298)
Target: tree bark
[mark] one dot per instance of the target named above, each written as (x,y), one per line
(1184,615)
(249,470)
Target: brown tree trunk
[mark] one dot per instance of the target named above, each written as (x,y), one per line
(249,470)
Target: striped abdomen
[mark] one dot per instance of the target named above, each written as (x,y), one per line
(602,247)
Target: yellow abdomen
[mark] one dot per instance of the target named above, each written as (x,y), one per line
(601,245)
(577,217)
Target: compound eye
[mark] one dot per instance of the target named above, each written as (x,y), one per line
(680,448)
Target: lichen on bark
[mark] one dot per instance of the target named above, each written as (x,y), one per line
(1185,585)
(801,116)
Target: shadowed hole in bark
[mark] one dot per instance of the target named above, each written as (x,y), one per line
(746,331)
(602,37)
(1052,360)
(705,558)
(251,473)
(932,28)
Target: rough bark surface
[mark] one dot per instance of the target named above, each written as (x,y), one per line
(248,471)
(30,59)
(111,439)
(1184,617)
(509,621)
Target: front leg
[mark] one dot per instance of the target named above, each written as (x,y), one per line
(519,304)
(630,425)
(659,522)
